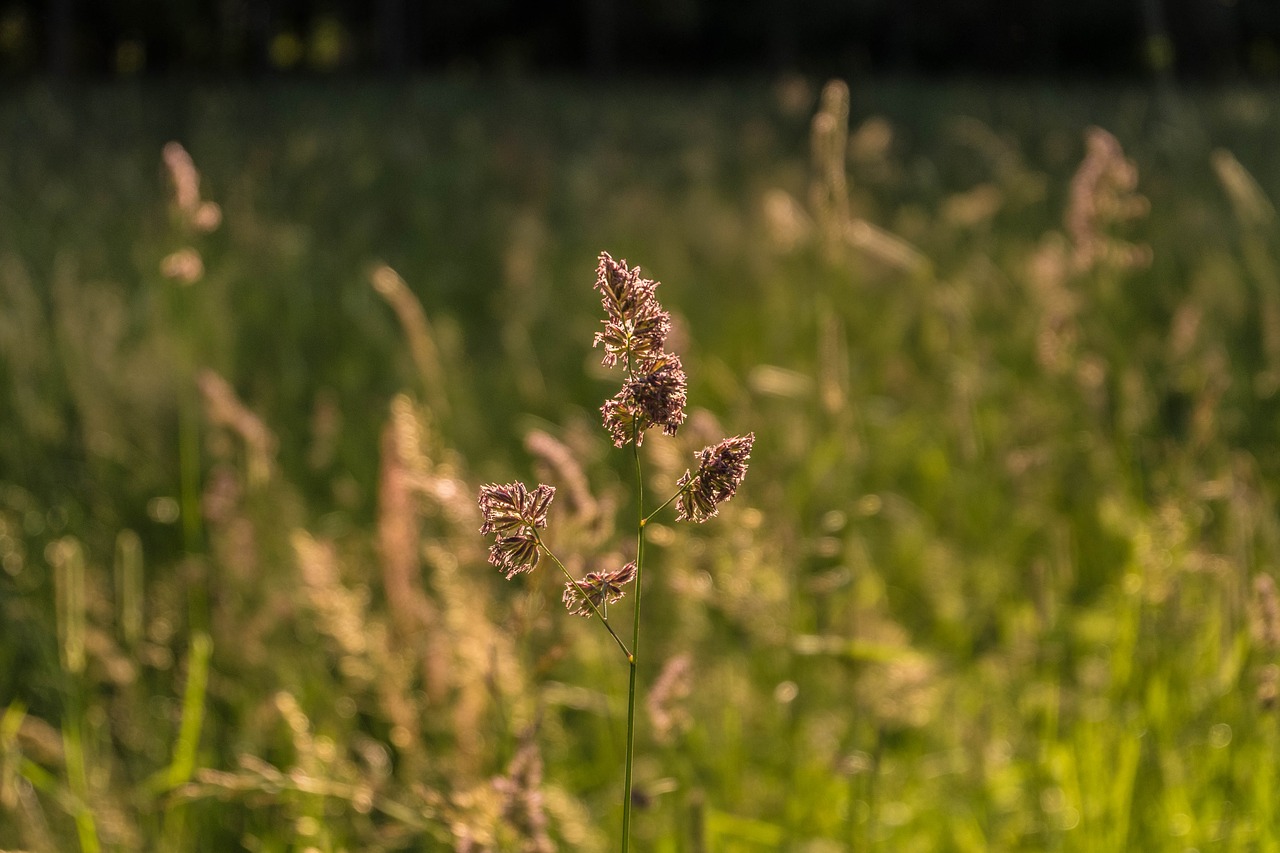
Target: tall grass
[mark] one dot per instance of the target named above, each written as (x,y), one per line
(1001,578)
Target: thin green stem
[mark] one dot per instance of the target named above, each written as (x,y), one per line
(665,504)
(193,704)
(635,647)
(596,610)
(78,780)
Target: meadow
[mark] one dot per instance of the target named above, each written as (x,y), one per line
(1001,576)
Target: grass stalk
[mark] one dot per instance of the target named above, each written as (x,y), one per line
(182,767)
(189,496)
(78,779)
(183,764)
(635,647)
(69,568)
(129,586)
(69,581)
(184,753)
(596,610)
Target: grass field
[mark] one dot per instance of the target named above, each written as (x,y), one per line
(1000,577)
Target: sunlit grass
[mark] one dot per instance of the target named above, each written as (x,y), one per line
(992,582)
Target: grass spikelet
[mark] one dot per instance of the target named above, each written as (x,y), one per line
(184,266)
(68,561)
(870,145)
(522,806)
(184,176)
(223,408)
(829,143)
(786,221)
(561,465)
(833,366)
(1251,206)
(191,214)
(341,612)
(129,586)
(1055,303)
(430,470)
(418,332)
(666,700)
(410,437)
(1265,623)
(398,533)
(25,330)
(886,248)
(487,679)
(414,615)
(1104,194)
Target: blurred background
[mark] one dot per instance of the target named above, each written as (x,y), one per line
(996,285)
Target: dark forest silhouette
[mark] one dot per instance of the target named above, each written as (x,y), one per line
(1200,39)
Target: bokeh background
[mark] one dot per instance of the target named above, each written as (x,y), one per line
(1206,39)
(996,286)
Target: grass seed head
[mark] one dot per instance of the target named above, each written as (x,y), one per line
(721,469)
(598,588)
(515,514)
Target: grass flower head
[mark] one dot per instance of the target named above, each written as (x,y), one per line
(514,514)
(721,469)
(655,396)
(598,588)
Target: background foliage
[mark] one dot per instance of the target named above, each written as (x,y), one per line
(999,578)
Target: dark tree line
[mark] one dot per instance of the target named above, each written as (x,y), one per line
(1196,38)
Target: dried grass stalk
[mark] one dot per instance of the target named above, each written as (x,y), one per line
(224,408)
(417,329)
